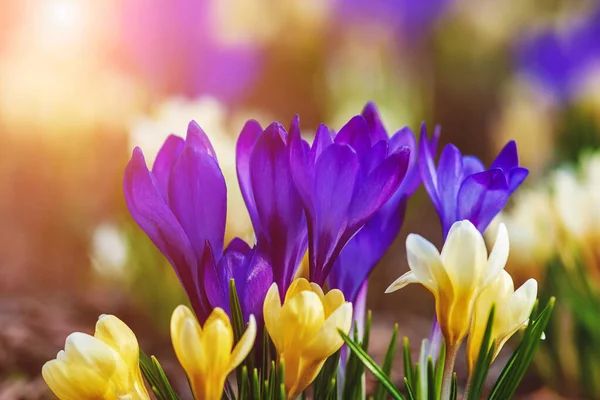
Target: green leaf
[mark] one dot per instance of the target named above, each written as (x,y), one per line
(322,384)
(156,378)
(409,389)
(431,390)
(238,325)
(368,362)
(454,387)
(388,362)
(517,365)
(354,372)
(439,369)
(482,365)
(408,365)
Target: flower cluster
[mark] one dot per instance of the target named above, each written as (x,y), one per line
(332,208)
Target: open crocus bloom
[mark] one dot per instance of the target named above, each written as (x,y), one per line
(207,353)
(512,313)
(456,276)
(103,366)
(305,329)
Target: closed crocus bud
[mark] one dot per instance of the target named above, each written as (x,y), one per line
(456,276)
(207,353)
(512,313)
(305,329)
(103,366)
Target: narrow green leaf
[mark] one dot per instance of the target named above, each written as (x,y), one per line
(517,365)
(439,369)
(156,378)
(388,362)
(409,390)
(482,365)
(417,385)
(408,365)
(454,387)
(367,333)
(372,366)
(256,386)
(431,390)
(238,325)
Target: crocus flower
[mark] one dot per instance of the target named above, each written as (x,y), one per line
(455,277)
(365,249)
(511,314)
(103,366)
(274,204)
(207,353)
(343,180)
(461,188)
(560,59)
(181,205)
(169,44)
(305,329)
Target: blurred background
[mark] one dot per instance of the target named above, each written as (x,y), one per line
(84,81)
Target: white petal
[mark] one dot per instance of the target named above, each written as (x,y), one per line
(424,260)
(401,282)
(498,257)
(464,255)
(515,311)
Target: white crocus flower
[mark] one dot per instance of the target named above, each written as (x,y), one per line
(456,276)
(512,313)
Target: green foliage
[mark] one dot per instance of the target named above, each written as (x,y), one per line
(388,361)
(354,368)
(372,366)
(156,378)
(517,365)
(431,373)
(572,352)
(484,360)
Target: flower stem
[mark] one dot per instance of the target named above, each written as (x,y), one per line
(451,352)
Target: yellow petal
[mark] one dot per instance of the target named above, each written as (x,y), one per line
(217,340)
(82,350)
(296,287)
(244,346)
(301,317)
(186,336)
(328,340)
(115,333)
(307,372)
(332,301)
(73,383)
(514,312)
(272,314)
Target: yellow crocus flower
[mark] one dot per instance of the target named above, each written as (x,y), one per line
(207,353)
(456,276)
(103,366)
(512,313)
(305,329)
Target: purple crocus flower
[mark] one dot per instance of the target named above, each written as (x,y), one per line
(343,179)
(181,205)
(365,249)
(174,46)
(274,204)
(461,188)
(557,60)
